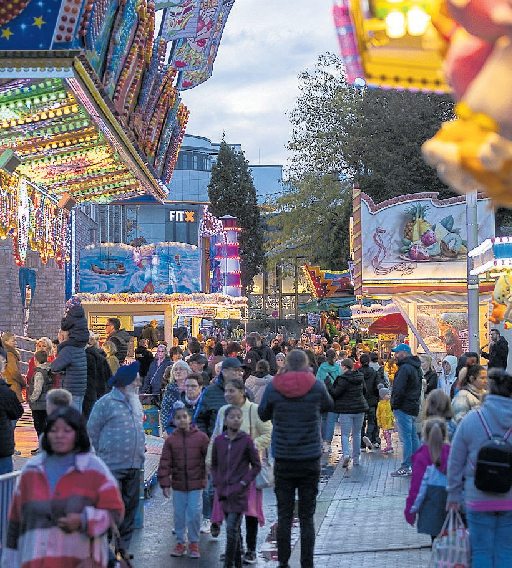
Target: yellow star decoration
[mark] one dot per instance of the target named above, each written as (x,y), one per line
(39,22)
(189,216)
(6,34)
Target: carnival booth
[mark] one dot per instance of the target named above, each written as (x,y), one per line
(410,252)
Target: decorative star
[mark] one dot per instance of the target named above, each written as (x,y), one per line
(6,34)
(39,22)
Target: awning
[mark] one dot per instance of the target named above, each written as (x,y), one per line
(327,304)
(392,323)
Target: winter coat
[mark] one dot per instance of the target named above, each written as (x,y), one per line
(212,400)
(71,363)
(259,431)
(145,358)
(153,380)
(235,464)
(12,373)
(149,332)
(257,354)
(382,376)
(406,392)
(465,400)
(385,418)
(328,373)
(182,464)
(466,443)
(295,401)
(32,364)
(257,385)
(10,409)
(121,339)
(41,383)
(431,378)
(420,461)
(191,406)
(430,504)
(98,369)
(371,379)
(116,432)
(445,381)
(33,535)
(497,354)
(348,393)
(170,396)
(75,322)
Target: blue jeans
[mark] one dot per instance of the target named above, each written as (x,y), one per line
(77,402)
(328,423)
(208,495)
(351,423)
(490,535)
(233,554)
(406,425)
(188,506)
(6,465)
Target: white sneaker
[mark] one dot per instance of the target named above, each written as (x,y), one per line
(367,442)
(205,526)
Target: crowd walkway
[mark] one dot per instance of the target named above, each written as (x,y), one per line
(359,518)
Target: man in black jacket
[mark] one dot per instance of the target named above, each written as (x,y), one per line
(119,337)
(405,403)
(10,411)
(257,350)
(295,401)
(370,438)
(498,351)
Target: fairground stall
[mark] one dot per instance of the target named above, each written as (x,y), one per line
(411,250)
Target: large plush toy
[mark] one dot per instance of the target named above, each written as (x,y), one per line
(502,299)
(474,152)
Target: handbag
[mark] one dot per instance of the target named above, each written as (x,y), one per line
(451,548)
(265,477)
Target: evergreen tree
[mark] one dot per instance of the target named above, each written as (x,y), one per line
(231,192)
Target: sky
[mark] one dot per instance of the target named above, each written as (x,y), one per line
(265,45)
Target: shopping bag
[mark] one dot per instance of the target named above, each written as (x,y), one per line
(265,477)
(451,548)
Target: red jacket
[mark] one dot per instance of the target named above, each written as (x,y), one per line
(233,462)
(182,464)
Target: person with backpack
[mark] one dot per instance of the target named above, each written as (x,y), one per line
(328,372)
(370,438)
(41,383)
(382,376)
(480,466)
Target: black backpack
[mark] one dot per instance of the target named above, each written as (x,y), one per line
(493,470)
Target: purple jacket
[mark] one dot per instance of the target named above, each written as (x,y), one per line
(233,462)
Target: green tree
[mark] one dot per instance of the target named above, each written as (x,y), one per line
(309,220)
(231,192)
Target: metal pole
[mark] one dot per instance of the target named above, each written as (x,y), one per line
(296,286)
(473,294)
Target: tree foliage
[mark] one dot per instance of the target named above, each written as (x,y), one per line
(349,135)
(231,192)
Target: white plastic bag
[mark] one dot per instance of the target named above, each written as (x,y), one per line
(451,548)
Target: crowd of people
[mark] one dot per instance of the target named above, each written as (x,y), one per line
(227,410)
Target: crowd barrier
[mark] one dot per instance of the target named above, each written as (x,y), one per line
(8,483)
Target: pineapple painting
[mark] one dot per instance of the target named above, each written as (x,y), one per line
(415,228)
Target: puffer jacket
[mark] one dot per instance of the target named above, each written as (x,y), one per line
(371,378)
(182,464)
(406,392)
(348,393)
(10,409)
(121,339)
(295,401)
(207,409)
(116,432)
(75,322)
(71,363)
(465,400)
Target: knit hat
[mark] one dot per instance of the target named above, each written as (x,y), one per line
(383,392)
(73,301)
(125,375)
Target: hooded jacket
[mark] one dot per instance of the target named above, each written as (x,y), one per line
(121,339)
(406,392)
(75,323)
(465,400)
(468,438)
(294,401)
(257,354)
(371,378)
(182,464)
(235,464)
(257,384)
(445,382)
(348,393)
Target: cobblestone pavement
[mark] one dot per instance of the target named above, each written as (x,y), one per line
(359,518)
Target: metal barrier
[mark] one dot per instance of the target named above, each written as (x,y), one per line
(8,483)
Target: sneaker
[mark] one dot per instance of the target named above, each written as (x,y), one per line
(402,472)
(215,530)
(205,526)
(34,451)
(346,461)
(250,557)
(390,450)
(193,550)
(367,442)
(355,462)
(326,447)
(16,453)
(376,446)
(179,550)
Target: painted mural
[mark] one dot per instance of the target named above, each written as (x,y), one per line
(163,268)
(418,237)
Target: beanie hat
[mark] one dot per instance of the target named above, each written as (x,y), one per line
(73,301)
(383,392)
(125,375)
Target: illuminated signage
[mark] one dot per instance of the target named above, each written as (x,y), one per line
(182,216)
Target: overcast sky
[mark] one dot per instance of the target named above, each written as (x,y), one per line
(265,45)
